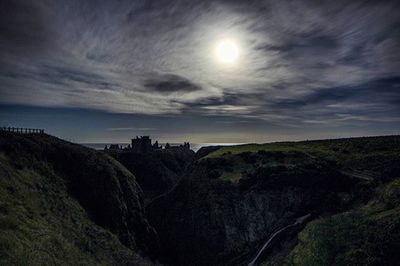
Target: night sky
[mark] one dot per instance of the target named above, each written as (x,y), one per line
(104,71)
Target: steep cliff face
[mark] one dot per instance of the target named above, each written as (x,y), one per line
(58,197)
(230,202)
(208,220)
(156,171)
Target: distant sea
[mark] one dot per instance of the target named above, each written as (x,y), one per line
(194,146)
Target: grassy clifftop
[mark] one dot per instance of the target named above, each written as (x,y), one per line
(63,204)
(347,147)
(361,157)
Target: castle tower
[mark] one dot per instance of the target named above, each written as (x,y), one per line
(142,144)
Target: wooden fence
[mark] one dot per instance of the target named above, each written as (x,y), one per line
(23,130)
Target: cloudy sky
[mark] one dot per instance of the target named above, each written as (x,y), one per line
(103,71)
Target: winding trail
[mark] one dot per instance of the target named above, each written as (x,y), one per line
(363,175)
(163,195)
(298,221)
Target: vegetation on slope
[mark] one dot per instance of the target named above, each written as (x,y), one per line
(62,204)
(369,235)
(359,157)
(347,147)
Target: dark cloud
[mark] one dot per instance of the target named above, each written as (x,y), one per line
(22,27)
(170,84)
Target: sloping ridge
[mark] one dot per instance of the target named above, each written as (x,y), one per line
(68,198)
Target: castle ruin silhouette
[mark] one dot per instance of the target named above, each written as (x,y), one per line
(143,144)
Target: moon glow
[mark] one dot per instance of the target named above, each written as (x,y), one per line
(227,52)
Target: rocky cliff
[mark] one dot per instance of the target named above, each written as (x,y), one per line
(233,199)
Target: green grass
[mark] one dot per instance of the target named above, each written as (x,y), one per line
(371,154)
(369,235)
(41,224)
(343,147)
(278,146)
(232,176)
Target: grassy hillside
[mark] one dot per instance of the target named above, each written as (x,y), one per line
(334,147)
(369,235)
(54,208)
(360,157)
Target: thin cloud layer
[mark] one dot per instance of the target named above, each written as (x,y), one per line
(301,62)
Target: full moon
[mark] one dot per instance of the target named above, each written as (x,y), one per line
(227,51)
